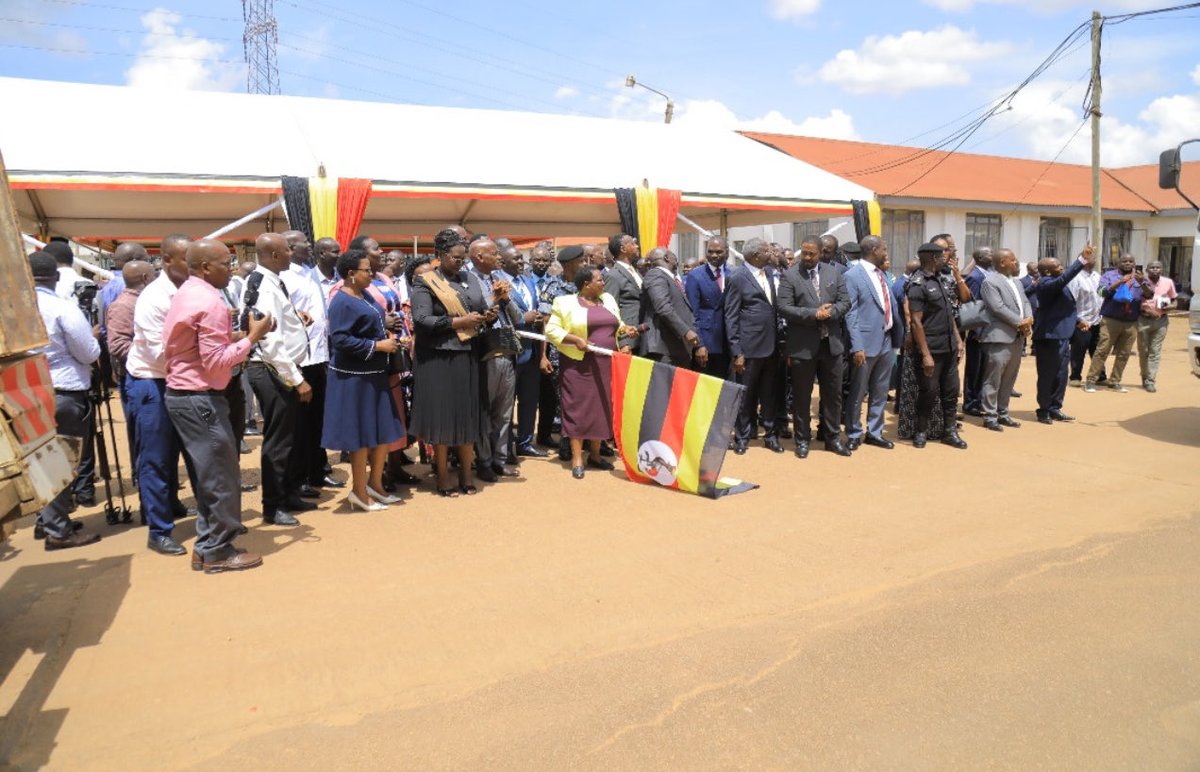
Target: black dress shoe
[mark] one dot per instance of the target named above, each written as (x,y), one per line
(402,477)
(165,545)
(486,474)
(252,430)
(993,425)
(772,444)
(607,450)
(74,540)
(919,440)
(306,491)
(973,411)
(279,517)
(296,504)
(854,443)
(801,449)
(837,446)
(577,472)
(953,440)
(247,487)
(878,442)
(1059,415)
(504,471)
(739,448)
(1043,418)
(530,450)
(602,464)
(1009,422)
(332,482)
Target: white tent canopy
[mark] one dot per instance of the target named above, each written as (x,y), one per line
(122,162)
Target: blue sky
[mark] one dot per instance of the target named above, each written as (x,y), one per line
(880,72)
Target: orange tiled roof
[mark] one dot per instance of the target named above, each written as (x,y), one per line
(985,178)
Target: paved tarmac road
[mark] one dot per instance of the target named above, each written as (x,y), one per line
(1028,603)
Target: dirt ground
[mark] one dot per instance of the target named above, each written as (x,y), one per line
(1028,603)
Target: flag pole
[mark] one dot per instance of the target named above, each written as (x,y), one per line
(93,268)
(606,352)
(219,232)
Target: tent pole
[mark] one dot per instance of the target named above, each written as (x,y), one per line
(95,269)
(219,232)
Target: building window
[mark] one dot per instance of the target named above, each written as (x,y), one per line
(1054,238)
(807,229)
(1118,235)
(983,230)
(904,232)
(1176,256)
(689,247)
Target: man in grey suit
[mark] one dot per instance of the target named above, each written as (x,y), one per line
(672,335)
(876,331)
(813,300)
(1011,321)
(624,283)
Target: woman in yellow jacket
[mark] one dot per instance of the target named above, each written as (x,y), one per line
(590,317)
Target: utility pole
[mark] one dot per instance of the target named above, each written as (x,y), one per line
(259,39)
(1094,108)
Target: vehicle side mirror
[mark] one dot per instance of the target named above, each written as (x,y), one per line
(1168,169)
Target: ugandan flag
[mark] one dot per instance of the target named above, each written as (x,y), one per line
(672,425)
(648,214)
(325,207)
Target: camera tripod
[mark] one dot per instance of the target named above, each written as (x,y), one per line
(101,397)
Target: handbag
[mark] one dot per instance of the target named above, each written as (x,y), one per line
(501,341)
(974,314)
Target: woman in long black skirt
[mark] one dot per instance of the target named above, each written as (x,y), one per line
(448,311)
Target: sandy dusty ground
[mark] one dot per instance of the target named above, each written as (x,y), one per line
(1028,603)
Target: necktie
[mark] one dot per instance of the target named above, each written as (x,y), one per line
(816,281)
(887,300)
(720,280)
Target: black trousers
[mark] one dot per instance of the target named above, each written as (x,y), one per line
(235,395)
(279,431)
(761,382)
(529,388)
(1053,360)
(84,484)
(307,461)
(939,388)
(972,374)
(73,416)
(718,366)
(1084,342)
(826,370)
(547,407)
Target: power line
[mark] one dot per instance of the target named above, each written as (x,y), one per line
(1049,165)
(129,54)
(107,7)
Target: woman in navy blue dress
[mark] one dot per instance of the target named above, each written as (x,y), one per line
(360,415)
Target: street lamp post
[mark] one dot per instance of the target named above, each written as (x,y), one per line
(631,81)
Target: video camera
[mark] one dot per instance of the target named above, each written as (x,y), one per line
(85,295)
(249,300)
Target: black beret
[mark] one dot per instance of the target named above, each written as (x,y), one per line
(569,254)
(851,248)
(929,247)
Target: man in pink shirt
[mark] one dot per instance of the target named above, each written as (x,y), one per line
(1152,324)
(200,352)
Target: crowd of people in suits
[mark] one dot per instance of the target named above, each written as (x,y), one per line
(364,355)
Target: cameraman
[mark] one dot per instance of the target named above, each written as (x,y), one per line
(72,350)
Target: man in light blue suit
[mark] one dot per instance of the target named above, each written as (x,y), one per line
(876,330)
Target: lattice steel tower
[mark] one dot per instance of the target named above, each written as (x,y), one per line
(259,41)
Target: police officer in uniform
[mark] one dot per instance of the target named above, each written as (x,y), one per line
(938,346)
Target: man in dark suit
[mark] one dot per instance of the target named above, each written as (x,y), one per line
(1053,325)
(624,283)
(813,299)
(973,369)
(750,317)
(705,290)
(528,387)
(671,336)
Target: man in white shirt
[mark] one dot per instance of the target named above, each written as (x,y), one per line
(67,275)
(1085,288)
(306,466)
(157,445)
(275,375)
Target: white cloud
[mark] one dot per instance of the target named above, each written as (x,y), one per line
(793,9)
(1047,114)
(912,60)
(715,114)
(566,92)
(178,59)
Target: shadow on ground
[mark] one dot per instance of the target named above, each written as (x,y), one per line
(1177,425)
(50,611)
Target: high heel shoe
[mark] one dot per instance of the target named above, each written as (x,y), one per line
(383,498)
(356,503)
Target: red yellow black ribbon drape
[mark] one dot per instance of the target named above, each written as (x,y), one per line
(326,207)
(648,214)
